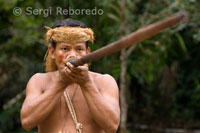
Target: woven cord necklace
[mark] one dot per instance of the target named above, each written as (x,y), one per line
(72,111)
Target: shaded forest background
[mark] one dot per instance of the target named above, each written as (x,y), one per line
(163,73)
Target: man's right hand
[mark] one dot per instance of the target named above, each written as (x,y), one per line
(62,76)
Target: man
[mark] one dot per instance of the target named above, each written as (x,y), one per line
(70,99)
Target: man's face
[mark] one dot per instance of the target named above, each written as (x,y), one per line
(66,51)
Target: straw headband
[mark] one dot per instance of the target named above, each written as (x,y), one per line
(69,34)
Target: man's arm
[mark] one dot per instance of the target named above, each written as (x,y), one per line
(38,105)
(103,104)
(101,94)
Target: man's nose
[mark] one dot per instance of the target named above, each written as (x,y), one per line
(72,54)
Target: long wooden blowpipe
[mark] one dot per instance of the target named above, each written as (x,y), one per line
(133,38)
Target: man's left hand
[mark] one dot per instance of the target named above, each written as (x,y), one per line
(79,75)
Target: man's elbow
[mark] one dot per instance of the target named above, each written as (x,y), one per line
(26,122)
(26,125)
(113,128)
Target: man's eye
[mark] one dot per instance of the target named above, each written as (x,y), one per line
(65,49)
(80,49)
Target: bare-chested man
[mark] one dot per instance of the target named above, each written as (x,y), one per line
(94,96)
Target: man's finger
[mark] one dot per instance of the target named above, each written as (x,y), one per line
(71,73)
(72,68)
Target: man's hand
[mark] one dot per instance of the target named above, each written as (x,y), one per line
(79,75)
(62,76)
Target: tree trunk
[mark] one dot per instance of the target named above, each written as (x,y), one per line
(123,87)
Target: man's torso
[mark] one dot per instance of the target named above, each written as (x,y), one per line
(60,119)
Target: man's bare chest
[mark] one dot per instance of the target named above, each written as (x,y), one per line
(61,113)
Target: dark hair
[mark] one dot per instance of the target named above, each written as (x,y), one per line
(71,23)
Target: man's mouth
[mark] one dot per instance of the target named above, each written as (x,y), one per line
(74,58)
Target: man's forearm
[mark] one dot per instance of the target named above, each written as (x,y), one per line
(106,115)
(36,110)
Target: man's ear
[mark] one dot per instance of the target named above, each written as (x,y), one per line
(51,51)
(88,50)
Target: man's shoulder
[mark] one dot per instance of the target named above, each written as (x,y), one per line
(98,77)
(40,78)
(105,83)
(39,81)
